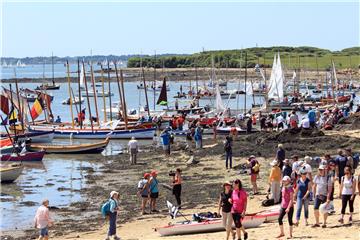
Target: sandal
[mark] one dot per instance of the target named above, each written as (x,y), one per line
(245,235)
(281,235)
(341,220)
(323,226)
(315,225)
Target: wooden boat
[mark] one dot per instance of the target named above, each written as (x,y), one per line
(36,137)
(91,93)
(226,130)
(26,157)
(10,173)
(99,133)
(75,100)
(48,87)
(210,225)
(97,147)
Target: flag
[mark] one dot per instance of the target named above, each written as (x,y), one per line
(13,116)
(4,104)
(36,109)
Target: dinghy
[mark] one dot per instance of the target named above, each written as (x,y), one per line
(36,137)
(97,147)
(10,173)
(24,157)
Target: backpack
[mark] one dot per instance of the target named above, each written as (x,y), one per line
(105,208)
(267,202)
(356,159)
(256,167)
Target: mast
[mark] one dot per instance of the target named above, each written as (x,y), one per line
(197,80)
(145,90)
(79,88)
(123,97)
(154,79)
(52,67)
(108,66)
(13,106)
(87,98)
(245,81)
(237,95)
(120,92)
(95,94)
(21,111)
(70,97)
(103,93)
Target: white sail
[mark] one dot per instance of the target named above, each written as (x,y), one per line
(280,79)
(335,77)
(219,105)
(272,81)
(249,89)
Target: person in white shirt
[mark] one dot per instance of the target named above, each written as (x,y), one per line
(42,220)
(306,166)
(305,123)
(133,150)
(280,122)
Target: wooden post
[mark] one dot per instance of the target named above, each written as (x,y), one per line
(87,98)
(70,97)
(95,95)
(79,88)
(103,93)
(108,66)
(119,89)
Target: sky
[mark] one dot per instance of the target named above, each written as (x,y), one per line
(75,28)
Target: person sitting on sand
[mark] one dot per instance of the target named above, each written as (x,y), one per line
(274,181)
(154,191)
(287,205)
(254,172)
(42,220)
(305,123)
(143,192)
(239,203)
(225,207)
(114,198)
(348,191)
(302,192)
(322,185)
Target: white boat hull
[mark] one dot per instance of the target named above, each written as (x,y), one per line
(10,174)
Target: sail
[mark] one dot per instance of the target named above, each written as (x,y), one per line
(272,84)
(248,89)
(163,94)
(335,78)
(219,105)
(280,79)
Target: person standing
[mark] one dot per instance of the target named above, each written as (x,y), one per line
(287,169)
(274,181)
(280,155)
(322,189)
(198,136)
(239,203)
(341,161)
(312,117)
(114,198)
(176,104)
(144,192)
(154,191)
(254,171)
(225,207)
(287,205)
(133,150)
(348,191)
(165,140)
(302,192)
(43,220)
(248,125)
(228,151)
(177,181)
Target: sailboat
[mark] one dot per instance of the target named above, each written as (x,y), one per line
(47,86)
(91,93)
(20,64)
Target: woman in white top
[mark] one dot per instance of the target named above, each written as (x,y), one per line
(347,189)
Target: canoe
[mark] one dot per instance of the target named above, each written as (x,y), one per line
(97,147)
(98,133)
(26,157)
(271,214)
(226,130)
(10,173)
(211,225)
(36,137)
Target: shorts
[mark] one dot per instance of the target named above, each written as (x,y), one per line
(253,177)
(144,196)
(318,201)
(154,195)
(237,219)
(44,232)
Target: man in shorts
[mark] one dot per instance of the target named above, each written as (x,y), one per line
(42,220)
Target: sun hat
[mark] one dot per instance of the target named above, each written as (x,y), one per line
(146,175)
(153,172)
(226,183)
(280,145)
(322,167)
(286,160)
(307,158)
(274,162)
(113,193)
(252,156)
(286,178)
(303,171)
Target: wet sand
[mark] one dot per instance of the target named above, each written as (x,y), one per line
(201,187)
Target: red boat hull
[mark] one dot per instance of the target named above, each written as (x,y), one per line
(27,157)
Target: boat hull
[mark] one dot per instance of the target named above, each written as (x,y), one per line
(27,157)
(36,137)
(10,174)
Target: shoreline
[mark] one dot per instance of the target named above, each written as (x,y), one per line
(202,182)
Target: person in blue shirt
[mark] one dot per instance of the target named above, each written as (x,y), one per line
(312,117)
(198,136)
(302,193)
(114,197)
(58,119)
(165,140)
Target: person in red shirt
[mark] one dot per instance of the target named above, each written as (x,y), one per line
(239,202)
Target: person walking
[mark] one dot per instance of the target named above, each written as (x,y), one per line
(239,203)
(177,181)
(165,140)
(341,162)
(287,169)
(143,192)
(114,207)
(302,191)
(286,205)
(198,136)
(254,172)
(348,191)
(43,220)
(280,155)
(133,150)
(274,181)
(228,151)
(322,189)
(154,191)
(225,207)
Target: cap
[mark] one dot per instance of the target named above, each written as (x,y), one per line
(146,175)
(274,162)
(303,171)
(153,172)
(286,178)
(322,167)
(252,156)
(307,158)
(113,193)
(286,160)
(227,183)
(280,145)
